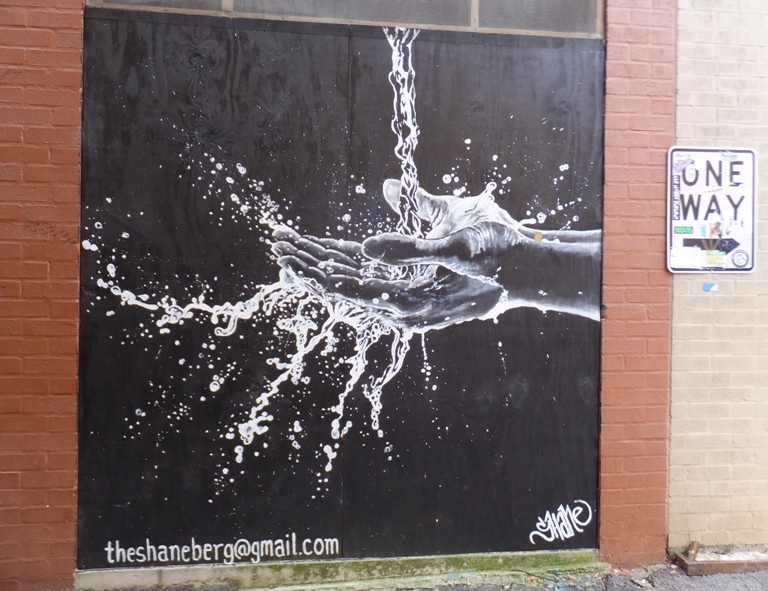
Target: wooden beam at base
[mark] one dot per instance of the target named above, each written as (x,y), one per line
(698,568)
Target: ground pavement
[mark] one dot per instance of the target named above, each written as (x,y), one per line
(659,578)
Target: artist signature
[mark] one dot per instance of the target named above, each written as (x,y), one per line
(564,523)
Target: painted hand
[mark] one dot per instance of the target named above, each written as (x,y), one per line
(475,261)
(339,269)
(469,236)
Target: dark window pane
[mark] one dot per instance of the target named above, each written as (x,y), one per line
(426,12)
(577,16)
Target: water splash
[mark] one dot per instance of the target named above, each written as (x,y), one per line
(273,302)
(293,309)
(311,319)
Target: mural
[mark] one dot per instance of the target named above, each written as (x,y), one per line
(340,291)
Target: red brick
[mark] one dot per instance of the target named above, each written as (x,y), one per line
(10,212)
(55,19)
(60,582)
(9,405)
(26,385)
(654,54)
(51,213)
(627,139)
(10,289)
(648,430)
(62,423)
(23,270)
(653,88)
(618,52)
(11,56)
(623,448)
(615,16)
(66,116)
(49,327)
(625,379)
(48,479)
(51,136)
(63,461)
(9,480)
(63,345)
(63,309)
(648,328)
(65,156)
(63,4)
(61,270)
(10,550)
(663,72)
(24,153)
(12,16)
(67,194)
(28,77)
(52,97)
(45,515)
(33,115)
(24,346)
(653,18)
(10,133)
(44,251)
(10,516)
(49,366)
(48,441)
(48,405)
(646,362)
(21,308)
(633,3)
(57,289)
(10,327)
(16,462)
(61,497)
(26,37)
(59,385)
(68,39)
(627,104)
(10,172)
(65,58)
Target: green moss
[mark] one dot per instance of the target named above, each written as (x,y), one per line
(384,573)
(527,563)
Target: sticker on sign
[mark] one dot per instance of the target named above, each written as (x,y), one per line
(710,209)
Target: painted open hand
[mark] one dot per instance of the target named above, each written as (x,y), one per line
(476,261)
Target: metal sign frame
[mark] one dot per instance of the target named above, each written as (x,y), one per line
(711,200)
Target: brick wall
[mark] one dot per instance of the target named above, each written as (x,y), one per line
(40,78)
(719,449)
(640,105)
(40,57)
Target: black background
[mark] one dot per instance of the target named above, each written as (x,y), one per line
(509,432)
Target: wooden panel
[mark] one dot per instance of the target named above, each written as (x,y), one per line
(358,406)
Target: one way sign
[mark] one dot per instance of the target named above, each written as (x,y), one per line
(710,210)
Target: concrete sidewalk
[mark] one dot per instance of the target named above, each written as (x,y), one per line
(592,577)
(674,579)
(660,577)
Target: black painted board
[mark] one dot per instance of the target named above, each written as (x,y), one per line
(489,425)
(188,123)
(162,100)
